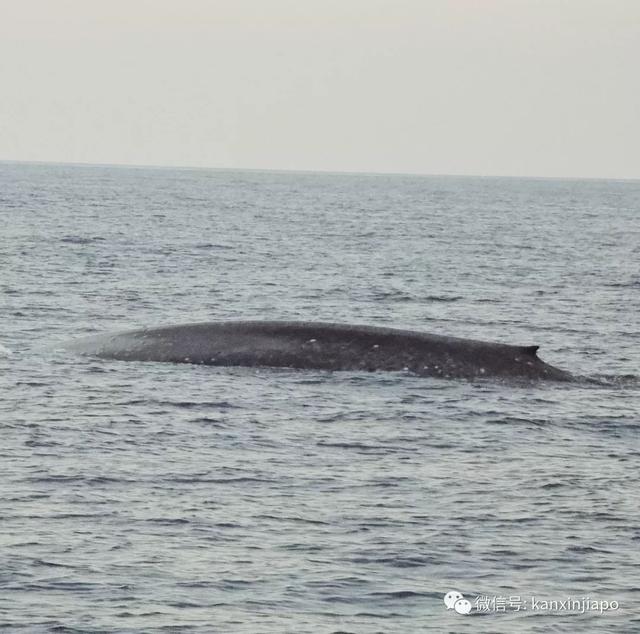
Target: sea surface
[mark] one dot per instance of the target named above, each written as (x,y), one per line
(145,497)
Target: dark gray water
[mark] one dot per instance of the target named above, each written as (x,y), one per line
(150,497)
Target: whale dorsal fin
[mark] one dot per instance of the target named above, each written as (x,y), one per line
(530,350)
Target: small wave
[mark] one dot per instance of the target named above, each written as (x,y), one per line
(392,295)
(167,521)
(300,520)
(397,562)
(587,549)
(50,564)
(443,298)
(613,380)
(208,420)
(627,284)
(81,239)
(209,246)
(199,479)
(197,405)
(367,448)
(207,405)
(5,352)
(398,594)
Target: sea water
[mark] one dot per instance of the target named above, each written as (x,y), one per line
(143,497)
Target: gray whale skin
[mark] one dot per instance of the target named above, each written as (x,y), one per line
(321,346)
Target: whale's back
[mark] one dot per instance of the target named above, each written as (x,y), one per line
(320,345)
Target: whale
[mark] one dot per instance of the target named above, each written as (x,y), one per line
(321,346)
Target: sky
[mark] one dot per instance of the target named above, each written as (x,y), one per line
(479,87)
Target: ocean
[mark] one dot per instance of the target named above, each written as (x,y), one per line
(144,497)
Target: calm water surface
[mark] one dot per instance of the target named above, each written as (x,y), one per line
(158,498)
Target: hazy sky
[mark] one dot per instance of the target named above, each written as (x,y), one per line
(506,87)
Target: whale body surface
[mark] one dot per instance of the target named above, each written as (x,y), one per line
(321,346)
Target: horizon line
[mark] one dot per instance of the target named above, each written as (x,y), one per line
(311,171)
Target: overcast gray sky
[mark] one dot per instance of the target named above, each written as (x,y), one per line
(489,87)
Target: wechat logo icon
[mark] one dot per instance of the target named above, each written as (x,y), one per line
(455,600)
